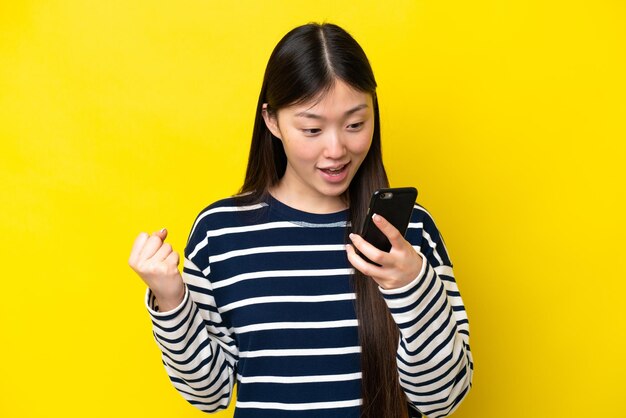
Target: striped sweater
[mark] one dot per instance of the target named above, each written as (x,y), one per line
(269,306)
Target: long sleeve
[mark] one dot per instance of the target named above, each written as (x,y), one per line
(434,358)
(198,353)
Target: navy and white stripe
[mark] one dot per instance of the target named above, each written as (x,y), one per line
(269,305)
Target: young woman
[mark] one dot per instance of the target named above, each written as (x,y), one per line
(274,297)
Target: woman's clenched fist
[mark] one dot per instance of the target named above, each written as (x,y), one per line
(156,263)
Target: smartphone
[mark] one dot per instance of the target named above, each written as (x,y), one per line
(396,206)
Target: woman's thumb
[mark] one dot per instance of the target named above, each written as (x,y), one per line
(161,234)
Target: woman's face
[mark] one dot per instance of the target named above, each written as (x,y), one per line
(325,141)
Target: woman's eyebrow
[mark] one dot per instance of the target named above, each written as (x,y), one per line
(305,114)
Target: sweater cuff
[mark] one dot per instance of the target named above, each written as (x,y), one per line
(411,285)
(153,307)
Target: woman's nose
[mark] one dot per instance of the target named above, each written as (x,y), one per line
(335,147)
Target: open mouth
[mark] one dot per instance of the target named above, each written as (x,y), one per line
(335,171)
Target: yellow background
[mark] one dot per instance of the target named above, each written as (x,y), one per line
(122,116)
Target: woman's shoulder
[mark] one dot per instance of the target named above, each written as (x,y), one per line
(422,215)
(226,212)
(426,236)
(235,203)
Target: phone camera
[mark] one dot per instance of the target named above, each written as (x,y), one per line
(386,195)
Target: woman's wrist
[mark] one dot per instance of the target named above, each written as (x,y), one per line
(169,302)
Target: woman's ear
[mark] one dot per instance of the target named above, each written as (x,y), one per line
(271,121)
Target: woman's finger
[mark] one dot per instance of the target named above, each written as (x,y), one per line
(391,232)
(163,252)
(368,250)
(360,264)
(152,245)
(173,259)
(140,241)
(161,234)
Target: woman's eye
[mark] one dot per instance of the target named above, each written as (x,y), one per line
(355,126)
(311,131)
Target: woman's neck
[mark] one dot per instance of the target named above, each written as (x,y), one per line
(307,202)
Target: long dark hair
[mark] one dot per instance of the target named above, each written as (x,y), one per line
(306,63)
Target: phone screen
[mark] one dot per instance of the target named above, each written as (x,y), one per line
(396,206)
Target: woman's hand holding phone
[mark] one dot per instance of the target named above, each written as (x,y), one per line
(397,268)
(156,263)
